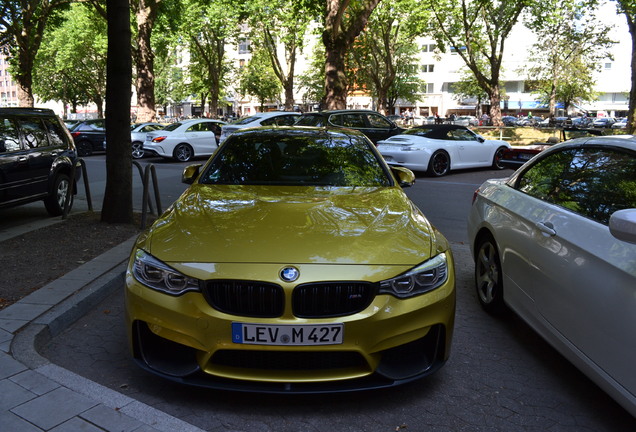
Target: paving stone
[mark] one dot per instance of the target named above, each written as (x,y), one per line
(76,425)
(53,408)
(34,382)
(11,422)
(106,418)
(9,366)
(12,395)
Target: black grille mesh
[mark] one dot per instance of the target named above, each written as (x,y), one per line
(245,298)
(329,299)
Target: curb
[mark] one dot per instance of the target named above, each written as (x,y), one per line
(29,324)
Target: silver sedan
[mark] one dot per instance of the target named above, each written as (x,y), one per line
(556,243)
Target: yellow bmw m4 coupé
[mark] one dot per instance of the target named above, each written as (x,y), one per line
(294,263)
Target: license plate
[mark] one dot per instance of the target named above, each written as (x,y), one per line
(265,334)
(388,158)
(525,156)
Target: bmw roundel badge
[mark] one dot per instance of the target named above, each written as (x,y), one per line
(289,274)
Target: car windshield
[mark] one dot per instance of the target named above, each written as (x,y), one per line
(296,158)
(310,120)
(172,126)
(246,120)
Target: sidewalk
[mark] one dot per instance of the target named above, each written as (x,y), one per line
(36,395)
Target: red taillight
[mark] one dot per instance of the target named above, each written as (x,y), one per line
(475,195)
(75,134)
(159,139)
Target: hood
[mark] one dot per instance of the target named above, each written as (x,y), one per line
(260,224)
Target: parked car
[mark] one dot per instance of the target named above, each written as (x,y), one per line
(604,122)
(556,243)
(582,122)
(184,140)
(37,159)
(467,121)
(138,132)
(271,118)
(371,123)
(89,136)
(509,120)
(293,263)
(438,149)
(516,156)
(620,124)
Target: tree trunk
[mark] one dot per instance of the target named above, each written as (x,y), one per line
(631,115)
(343,24)
(117,204)
(25,97)
(335,77)
(146,15)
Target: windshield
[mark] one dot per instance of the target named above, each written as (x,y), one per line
(246,120)
(296,158)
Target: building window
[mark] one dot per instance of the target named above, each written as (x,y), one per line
(428,68)
(428,88)
(608,66)
(455,50)
(428,47)
(244,46)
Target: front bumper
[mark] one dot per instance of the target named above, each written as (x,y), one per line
(390,342)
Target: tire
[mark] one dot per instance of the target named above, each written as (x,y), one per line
(439,164)
(137,150)
(489,277)
(84,148)
(496,160)
(183,153)
(61,186)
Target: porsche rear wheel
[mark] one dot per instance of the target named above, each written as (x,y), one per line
(496,160)
(439,164)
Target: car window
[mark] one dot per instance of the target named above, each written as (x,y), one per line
(348,120)
(9,138)
(377,121)
(310,120)
(172,126)
(56,134)
(462,135)
(283,120)
(590,181)
(33,133)
(92,126)
(246,120)
(199,127)
(150,128)
(296,160)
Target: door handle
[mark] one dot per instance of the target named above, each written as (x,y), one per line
(546,228)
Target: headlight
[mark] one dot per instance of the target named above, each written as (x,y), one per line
(157,275)
(423,278)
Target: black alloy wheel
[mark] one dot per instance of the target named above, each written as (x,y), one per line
(439,165)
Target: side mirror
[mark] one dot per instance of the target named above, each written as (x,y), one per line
(190,173)
(622,225)
(404,176)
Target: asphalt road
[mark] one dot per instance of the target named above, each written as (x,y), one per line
(501,376)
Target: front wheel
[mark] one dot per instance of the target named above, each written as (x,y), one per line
(489,277)
(497,158)
(439,164)
(183,153)
(60,188)
(137,150)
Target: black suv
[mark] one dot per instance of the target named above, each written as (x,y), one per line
(37,156)
(371,123)
(89,136)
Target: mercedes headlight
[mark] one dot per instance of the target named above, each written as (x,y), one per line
(421,279)
(157,275)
